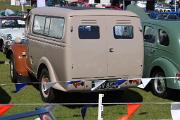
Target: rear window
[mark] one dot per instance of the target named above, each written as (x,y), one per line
(88,32)
(123,32)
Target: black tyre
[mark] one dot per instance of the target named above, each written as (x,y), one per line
(1,45)
(159,87)
(46,94)
(13,72)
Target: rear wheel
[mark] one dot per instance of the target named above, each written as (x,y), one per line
(13,72)
(46,94)
(159,87)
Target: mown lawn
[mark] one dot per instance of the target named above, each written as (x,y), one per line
(6,5)
(148,111)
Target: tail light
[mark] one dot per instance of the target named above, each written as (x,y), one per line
(23,53)
(137,82)
(178,76)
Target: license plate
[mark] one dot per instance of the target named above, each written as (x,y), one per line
(108,85)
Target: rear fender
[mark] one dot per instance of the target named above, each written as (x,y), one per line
(169,69)
(52,73)
(20,58)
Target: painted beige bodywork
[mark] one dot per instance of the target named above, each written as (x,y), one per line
(71,58)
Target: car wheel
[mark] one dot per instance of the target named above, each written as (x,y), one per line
(159,87)
(46,94)
(1,46)
(13,72)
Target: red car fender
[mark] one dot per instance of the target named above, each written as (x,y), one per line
(20,58)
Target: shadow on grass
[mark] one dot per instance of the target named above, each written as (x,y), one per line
(92,97)
(4,97)
(2,62)
(118,96)
(174,95)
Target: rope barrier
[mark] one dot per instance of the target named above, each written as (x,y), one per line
(8,84)
(74,104)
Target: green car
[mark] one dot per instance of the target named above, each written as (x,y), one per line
(162,52)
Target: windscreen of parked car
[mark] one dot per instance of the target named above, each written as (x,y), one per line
(123,31)
(12,24)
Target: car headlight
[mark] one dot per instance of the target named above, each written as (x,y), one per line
(9,37)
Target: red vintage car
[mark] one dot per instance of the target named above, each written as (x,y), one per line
(17,54)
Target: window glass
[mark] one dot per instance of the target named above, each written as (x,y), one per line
(56,27)
(172,17)
(21,23)
(163,38)
(149,34)
(46,29)
(12,24)
(88,32)
(97,1)
(39,22)
(9,23)
(123,31)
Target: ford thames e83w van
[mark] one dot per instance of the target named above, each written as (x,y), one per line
(84,49)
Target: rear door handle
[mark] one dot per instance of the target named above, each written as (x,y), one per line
(111,49)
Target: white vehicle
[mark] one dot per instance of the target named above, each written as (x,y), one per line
(10,28)
(141,4)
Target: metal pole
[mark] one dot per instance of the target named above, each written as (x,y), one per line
(175,5)
(100,107)
(123,4)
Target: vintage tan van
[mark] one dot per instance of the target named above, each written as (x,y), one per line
(84,49)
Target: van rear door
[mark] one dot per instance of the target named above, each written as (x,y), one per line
(89,47)
(107,46)
(125,46)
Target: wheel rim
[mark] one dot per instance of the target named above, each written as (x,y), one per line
(44,89)
(159,84)
(11,69)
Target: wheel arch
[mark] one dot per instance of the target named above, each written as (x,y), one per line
(45,63)
(155,68)
(165,65)
(40,68)
(169,70)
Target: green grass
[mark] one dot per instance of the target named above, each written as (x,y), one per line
(6,5)
(18,8)
(31,95)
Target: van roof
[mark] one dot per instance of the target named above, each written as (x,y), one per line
(66,12)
